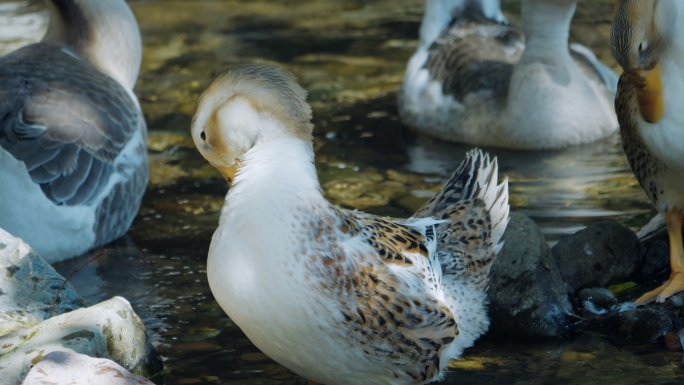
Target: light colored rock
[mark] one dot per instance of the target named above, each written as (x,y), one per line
(28,285)
(109,330)
(69,368)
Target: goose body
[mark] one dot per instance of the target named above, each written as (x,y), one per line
(648,42)
(73,155)
(476,79)
(339,297)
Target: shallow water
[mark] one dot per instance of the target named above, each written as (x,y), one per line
(350,56)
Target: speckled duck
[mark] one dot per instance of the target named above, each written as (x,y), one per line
(648,42)
(339,297)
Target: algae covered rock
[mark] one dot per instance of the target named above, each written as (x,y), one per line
(28,286)
(109,330)
(526,293)
(69,368)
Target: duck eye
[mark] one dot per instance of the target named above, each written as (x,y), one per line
(203,135)
(643,46)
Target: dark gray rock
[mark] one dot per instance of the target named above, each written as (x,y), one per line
(645,324)
(603,254)
(641,325)
(597,300)
(657,260)
(526,293)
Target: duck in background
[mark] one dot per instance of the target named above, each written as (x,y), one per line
(339,297)
(648,42)
(475,79)
(73,155)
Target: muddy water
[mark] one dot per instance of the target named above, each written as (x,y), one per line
(350,56)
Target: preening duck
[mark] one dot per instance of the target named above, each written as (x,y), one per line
(476,79)
(73,155)
(339,297)
(648,42)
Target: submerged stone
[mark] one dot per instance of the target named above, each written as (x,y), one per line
(108,330)
(526,293)
(28,286)
(69,368)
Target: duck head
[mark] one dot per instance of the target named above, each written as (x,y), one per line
(642,32)
(243,106)
(102,32)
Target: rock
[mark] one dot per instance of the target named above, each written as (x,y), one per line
(645,324)
(641,325)
(526,293)
(657,260)
(603,254)
(597,300)
(69,368)
(109,330)
(28,285)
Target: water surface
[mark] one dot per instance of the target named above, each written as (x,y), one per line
(350,55)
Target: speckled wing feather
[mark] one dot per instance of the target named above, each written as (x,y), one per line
(645,166)
(475,211)
(65,120)
(475,54)
(389,297)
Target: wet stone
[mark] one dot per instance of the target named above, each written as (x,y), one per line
(28,286)
(657,260)
(645,325)
(597,300)
(108,330)
(69,368)
(526,293)
(603,254)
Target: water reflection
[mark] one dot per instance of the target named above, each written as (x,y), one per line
(350,55)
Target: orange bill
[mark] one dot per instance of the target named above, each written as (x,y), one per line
(229,172)
(650,94)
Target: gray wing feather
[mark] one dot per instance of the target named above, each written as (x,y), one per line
(65,120)
(592,67)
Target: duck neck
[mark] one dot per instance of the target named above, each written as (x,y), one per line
(103,33)
(439,14)
(275,185)
(547,27)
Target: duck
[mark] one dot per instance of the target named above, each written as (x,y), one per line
(647,40)
(339,297)
(73,153)
(476,79)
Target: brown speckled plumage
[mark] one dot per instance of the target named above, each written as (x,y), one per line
(646,167)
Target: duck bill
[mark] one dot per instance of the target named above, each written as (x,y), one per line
(228,172)
(650,94)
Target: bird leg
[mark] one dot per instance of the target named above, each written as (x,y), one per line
(673,223)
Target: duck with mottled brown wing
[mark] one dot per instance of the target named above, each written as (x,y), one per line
(73,155)
(648,42)
(476,79)
(339,297)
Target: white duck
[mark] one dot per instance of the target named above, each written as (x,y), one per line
(648,42)
(73,155)
(477,80)
(339,297)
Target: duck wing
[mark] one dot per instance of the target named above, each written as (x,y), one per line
(387,282)
(65,120)
(475,54)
